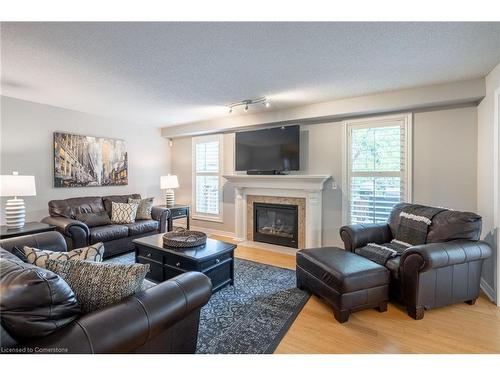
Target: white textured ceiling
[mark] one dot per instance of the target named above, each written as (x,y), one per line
(163,74)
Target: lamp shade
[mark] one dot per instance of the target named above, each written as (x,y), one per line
(169,182)
(17,186)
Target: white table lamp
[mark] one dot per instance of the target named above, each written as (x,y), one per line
(16,186)
(169,183)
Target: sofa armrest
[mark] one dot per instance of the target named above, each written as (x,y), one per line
(359,235)
(132,323)
(444,254)
(161,214)
(77,231)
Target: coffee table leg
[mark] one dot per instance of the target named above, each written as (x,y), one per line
(232,269)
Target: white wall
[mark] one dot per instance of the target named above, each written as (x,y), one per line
(27,147)
(485,165)
(444,155)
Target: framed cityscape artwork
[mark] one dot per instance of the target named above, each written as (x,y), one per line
(81,160)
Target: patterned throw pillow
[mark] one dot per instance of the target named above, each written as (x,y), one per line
(144,209)
(100,284)
(123,213)
(40,257)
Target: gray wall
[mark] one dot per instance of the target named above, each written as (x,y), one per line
(27,147)
(444,155)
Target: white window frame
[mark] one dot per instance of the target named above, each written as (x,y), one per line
(201,215)
(372,122)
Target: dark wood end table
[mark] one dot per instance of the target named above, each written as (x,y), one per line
(29,228)
(177,211)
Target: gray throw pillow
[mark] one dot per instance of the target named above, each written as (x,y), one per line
(144,209)
(94,219)
(97,285)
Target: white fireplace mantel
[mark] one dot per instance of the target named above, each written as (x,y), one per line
(290,181)
(298,186)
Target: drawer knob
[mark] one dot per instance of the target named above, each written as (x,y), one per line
(217,260)
(148,255)
(178,264)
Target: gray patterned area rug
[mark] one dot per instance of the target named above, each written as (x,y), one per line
(252,316)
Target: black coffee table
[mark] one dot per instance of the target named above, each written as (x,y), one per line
(215,259)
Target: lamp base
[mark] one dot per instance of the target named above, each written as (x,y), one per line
(15,213)
(169,197)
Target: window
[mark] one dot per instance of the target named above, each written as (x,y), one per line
(378,167)
(207,175)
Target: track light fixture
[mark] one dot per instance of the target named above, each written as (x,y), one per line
(248,102)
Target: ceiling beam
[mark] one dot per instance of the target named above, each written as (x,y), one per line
(442,95)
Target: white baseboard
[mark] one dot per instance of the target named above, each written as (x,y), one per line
(488,290)
(214,232)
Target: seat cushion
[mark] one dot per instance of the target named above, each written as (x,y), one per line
(342,270)
(141,226)
(107,233)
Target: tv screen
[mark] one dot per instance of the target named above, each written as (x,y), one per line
(274,149)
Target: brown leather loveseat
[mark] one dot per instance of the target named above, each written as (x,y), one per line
(117,238)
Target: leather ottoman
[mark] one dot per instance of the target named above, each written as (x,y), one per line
(348,282)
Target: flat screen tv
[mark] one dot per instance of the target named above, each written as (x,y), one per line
(268,150)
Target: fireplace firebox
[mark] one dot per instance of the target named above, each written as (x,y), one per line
(276,224)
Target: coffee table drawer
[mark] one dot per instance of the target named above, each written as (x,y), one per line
(155,269)
(180,262)
(214,261)
(149,254)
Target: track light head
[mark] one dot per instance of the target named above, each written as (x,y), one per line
(267,104)
(230,109)
(246,108)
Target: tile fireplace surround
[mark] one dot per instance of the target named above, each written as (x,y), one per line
(304,191)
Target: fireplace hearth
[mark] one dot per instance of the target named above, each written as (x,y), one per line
(276,224)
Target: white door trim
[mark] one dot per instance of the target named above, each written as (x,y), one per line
(496,185)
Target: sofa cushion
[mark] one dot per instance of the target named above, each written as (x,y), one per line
(107,233)
(40,257)
(142,226)
(118,199)
(100,284)
(342,270)
(94,219)
(34,302)
(73,206)
(446,226)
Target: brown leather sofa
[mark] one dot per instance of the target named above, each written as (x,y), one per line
(444,271)
(117,238)
(162,319)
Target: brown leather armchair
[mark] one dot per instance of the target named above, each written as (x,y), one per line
(444,271)
(161,319)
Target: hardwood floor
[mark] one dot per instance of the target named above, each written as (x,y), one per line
(455,329)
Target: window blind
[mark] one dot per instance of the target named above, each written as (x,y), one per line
(206,176)
(377,170)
